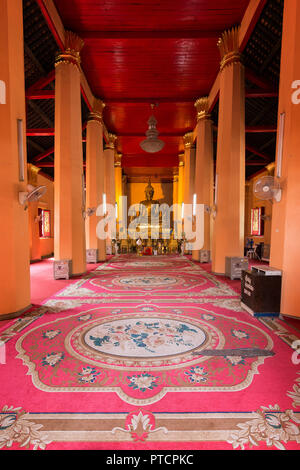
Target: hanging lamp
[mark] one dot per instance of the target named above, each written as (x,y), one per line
(152,143)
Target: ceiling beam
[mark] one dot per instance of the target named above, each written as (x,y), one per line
(53,21)
(43,155)
(50,165)
(256,129)
(35,146)
(40,132)
(256,163)
(250,20)
(259,93)
(42,82)
(260,129)
(257,79)
(40,94)
(51,132)
(36,94)
(258,153)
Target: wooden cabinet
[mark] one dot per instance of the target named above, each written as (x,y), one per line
(261,292)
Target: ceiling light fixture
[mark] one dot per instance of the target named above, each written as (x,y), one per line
(152,144)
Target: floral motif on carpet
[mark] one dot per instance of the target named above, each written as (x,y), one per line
(143,353)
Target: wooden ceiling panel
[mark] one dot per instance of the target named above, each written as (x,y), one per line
(129,119)
(182,69)
(139,52)
(135,15)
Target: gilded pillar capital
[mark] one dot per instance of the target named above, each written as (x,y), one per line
(71,54)
(228,45)
(118,160)
(97,113)
(202,106)
(188,140)
(112,141)
(32,173)
(181,159)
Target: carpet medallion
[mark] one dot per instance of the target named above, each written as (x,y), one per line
(143,354)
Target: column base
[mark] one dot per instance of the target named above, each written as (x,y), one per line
(10,316)
(62,269)
(204,256)
(234,266)
(92,255)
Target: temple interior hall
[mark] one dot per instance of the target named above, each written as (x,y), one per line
(150,220)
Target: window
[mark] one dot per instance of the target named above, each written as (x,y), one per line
(45,223)
(257,225)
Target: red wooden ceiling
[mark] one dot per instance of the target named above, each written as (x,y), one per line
(140,51)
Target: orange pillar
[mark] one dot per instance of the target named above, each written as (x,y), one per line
(96,248)
(119,191)
(189,168)
(175,190)
(109,181)
(228,237)
(204,175)
(14,233)
(285,252)
(69,229)
(181,180)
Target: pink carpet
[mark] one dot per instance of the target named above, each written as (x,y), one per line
(146,354)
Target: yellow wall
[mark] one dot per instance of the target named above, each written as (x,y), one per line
(40,247)
(47,202)
(251,202)
(163,192)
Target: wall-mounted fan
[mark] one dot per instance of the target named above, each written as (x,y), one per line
(268,188)
(31,195)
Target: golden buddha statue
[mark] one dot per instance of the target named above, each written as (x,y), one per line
(149,193)
(149,204)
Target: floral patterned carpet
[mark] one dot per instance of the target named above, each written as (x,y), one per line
(148,353)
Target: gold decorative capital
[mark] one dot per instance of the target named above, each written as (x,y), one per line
(271,167)
(73,47)
(112,140)
(118,160)
(188,140)
(228,45)
(32,173)
(202,106)
(97,113)
(181,159)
